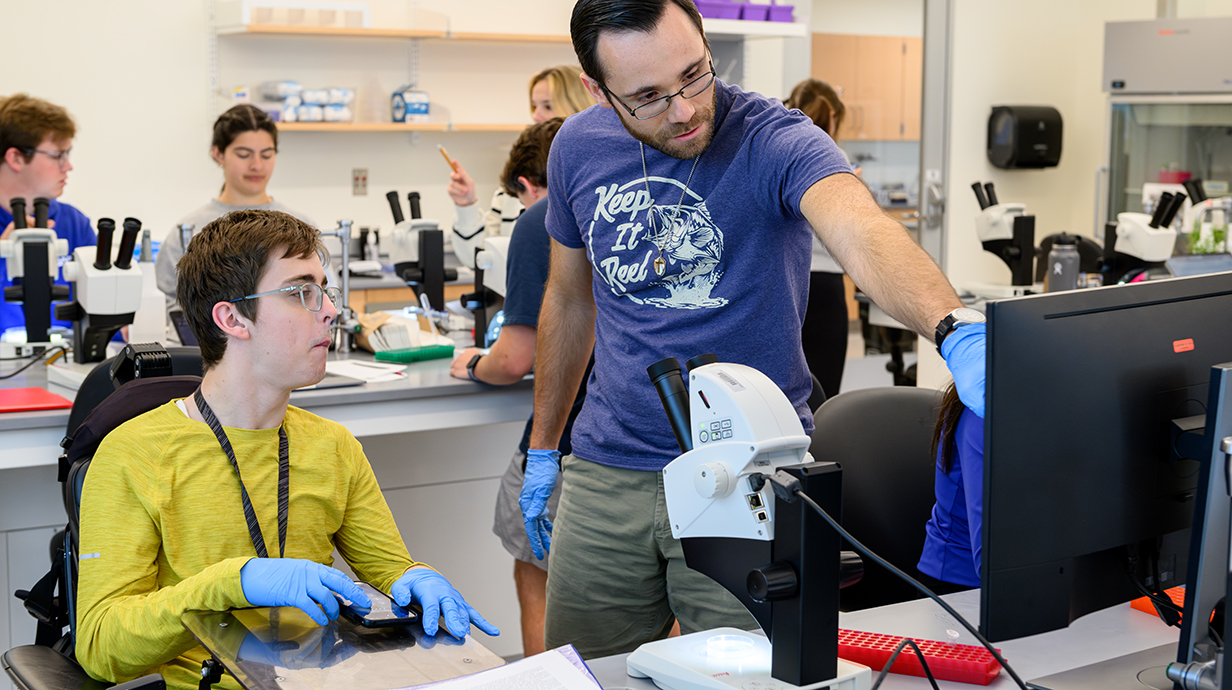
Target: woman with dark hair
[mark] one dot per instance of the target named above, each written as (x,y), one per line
(245,146)
(824,333)
(952,536)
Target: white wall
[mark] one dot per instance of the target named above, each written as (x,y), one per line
(869,17)
(1018,53)
(134,76)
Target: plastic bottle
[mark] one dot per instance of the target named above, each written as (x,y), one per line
(150,321)
(1062,271)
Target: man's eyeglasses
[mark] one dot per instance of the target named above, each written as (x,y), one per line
(60,157)
(311,295)
(659,105)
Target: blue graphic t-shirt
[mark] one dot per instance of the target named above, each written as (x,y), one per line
(71,225)
(737,259)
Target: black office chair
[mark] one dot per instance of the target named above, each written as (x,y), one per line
(882,437)
(49,664)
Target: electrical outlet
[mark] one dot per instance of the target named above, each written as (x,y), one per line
(359,181)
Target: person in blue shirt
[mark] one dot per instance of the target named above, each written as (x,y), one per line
(36,138)
(952,536)
(511,358)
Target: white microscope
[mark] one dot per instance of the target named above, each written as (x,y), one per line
(107,295)
(779,559)
(31,256)
(1141,242)
(1005,230)
(417,250)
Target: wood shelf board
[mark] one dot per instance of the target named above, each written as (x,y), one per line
(362,127)
(327,31)
(479,127)
(508,38)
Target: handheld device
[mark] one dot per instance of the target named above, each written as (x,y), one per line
(384,611)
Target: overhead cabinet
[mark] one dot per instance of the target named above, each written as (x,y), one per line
(880,79)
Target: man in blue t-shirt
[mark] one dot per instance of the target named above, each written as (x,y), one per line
(682,213)
(36,137)
(511,358)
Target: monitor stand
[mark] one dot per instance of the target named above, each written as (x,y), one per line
(1139,670)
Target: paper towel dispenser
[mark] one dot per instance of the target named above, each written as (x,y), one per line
(1024,136)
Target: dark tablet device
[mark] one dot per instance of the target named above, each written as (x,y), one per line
(384,611)
(187,339)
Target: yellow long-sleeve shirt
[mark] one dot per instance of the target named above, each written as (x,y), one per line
(163,531)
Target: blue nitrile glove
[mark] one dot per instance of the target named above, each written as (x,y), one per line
(964,353)
(306,585)
(438,598)
(542,468)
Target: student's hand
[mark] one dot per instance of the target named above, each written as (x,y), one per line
(458,368)
(8,230)
(964,352)
(461,187)
(542,468)
(306,585)
(438,598)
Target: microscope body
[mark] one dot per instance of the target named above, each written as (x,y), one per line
(779,559)
(106,300)
(32,258)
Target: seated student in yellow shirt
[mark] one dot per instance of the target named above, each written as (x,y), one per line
(173,522)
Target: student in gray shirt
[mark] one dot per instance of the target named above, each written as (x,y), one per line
(245,145)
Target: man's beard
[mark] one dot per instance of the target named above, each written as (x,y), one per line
(662,140)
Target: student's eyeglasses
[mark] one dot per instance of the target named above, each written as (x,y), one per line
(60,157)
(659,105)
(311,295)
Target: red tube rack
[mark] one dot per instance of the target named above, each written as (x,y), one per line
(956,662)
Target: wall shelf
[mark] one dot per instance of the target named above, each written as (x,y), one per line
(715,28)
(397,127)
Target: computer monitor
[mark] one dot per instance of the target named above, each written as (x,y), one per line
(1080,484)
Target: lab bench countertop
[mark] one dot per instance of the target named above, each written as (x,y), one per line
(427,398)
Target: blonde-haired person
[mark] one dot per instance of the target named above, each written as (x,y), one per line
(824,332)
(555,92)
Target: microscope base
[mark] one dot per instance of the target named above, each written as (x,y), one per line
(1002,291)
(723,659)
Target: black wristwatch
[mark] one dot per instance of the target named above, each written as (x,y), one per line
(953,320)
(470,367)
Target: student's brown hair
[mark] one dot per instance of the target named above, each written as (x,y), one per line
(227,259)
(240,119)
(26,121)
(819,101)
(529,156)
(946,432)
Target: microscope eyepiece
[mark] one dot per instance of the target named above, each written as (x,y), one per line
(128,241)
(395,207)
(413,200)
(40,212)
(701,360)
(18,206)
(667,380)
(102,253)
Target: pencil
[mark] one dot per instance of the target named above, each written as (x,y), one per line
(447,158)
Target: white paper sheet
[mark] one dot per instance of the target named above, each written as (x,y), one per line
(556,669)
(372,372)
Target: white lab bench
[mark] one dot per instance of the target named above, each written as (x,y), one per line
(438,446)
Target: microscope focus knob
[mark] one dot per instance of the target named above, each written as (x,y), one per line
(712,480)
(772,582)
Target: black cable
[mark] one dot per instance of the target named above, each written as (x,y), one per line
(910,580)
(34,359)
(899,650)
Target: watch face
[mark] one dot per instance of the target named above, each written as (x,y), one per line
(966,315)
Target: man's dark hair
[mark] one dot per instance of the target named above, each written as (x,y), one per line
(529,156)
(593,17)
(227,259)
(239,119)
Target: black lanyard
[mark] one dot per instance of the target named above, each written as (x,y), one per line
(284,480)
